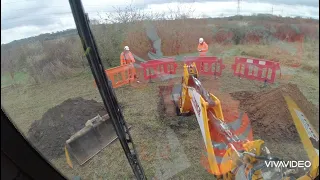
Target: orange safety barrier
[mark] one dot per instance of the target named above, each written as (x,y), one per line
(121,75)
(209,65)
(155,68)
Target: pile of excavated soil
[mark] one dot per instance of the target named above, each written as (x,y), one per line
(272,122)
(50,133)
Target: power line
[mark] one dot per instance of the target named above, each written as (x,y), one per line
(238,8)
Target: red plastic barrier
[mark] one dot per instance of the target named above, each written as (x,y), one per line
(207,65)
(255,69)
(155,68)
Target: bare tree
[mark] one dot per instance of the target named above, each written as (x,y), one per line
(7,63)
(125,21)
(180,11)
(33,54)
(12,61)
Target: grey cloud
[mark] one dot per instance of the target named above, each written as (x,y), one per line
(27,21)
(42,13)
(314,3)
(25,13)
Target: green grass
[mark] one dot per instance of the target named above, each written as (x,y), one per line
(180,57)
(24,104)
(19,78)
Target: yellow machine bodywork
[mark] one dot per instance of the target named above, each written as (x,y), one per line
(207,108)
(304,135)
(203,107)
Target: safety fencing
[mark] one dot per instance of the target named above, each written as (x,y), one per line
(156,68)
(207,65)
(255,69)
(249,68)
(121,75)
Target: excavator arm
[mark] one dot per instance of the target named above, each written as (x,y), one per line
(230,156)
(207,108)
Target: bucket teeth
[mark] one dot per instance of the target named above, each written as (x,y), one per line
(91,139)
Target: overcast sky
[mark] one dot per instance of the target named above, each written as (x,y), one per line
(25,18)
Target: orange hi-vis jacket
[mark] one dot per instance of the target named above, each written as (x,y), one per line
(203,47)
(126,58)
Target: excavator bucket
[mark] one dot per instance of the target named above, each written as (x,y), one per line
(90,140)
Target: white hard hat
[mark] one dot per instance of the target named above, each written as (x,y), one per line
(126,48)
(201,40)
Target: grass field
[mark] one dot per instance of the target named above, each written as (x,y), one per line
(19,78)
(151,132)
(140,112)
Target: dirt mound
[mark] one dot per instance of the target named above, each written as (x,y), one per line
(50,133)
(272,121)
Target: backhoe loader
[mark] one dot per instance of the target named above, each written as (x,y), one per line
(230,154)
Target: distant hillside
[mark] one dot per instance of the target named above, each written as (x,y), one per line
(257,17)
(43,37)
(56,55)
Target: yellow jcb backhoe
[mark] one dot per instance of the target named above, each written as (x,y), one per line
(232,155)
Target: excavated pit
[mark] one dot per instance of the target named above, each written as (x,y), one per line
(50,133)
(272,122)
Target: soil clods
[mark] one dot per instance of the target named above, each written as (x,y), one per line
(50,133)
